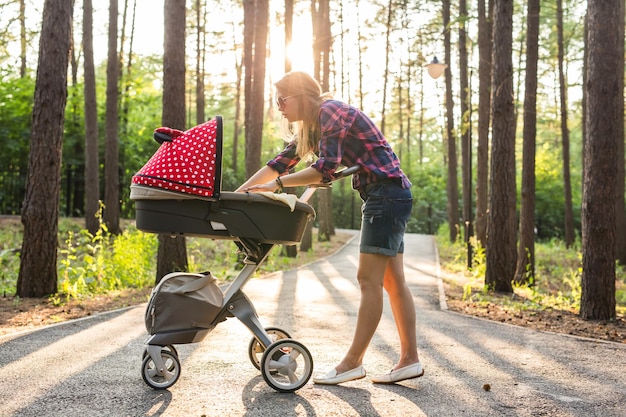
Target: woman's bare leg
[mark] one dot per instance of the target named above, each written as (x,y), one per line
(403,309)
(370,274)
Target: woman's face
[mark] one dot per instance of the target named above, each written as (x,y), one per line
(289,106)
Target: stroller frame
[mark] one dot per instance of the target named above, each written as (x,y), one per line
(256,224)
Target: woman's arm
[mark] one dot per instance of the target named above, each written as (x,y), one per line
(305,177)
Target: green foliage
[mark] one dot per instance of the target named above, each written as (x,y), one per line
(550,196)
(10,245)
(16,103)
(103,262)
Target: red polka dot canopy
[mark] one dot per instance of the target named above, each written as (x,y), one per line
(187,162)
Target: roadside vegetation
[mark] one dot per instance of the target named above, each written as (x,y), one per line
(557,284)
(91,265)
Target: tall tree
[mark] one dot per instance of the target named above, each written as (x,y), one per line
(620,209)
(236,120)
(92,170)
(501,230)
(320,13)
(604,128)
(567,181)
(288,32)
(172,252)
(200,51)
(525,269)
(466,129)
(484,117)
(40,211)
(22,19)
(256,19)
(126,77)
(452,181)
(111,148)
(386,75)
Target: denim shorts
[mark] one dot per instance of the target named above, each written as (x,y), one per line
(386,211)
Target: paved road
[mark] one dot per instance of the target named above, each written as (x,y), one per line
(92,367)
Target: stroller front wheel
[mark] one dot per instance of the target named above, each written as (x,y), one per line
(286,365)
(163,374)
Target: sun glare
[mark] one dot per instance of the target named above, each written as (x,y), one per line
(299,51)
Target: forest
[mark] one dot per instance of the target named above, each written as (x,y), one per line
(518,140)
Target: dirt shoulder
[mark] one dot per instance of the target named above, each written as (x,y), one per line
(498,308)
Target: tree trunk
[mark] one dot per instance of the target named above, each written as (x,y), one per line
(604,127)
(321,52)
(620,209)
(567,182)
(466,129)
(258,11)
(484,116)
(386,75)
(126,78)
(172,252)
(501,230)
(200,49)
(40,210)
(525,270)
(92,168)
(288,32)
(23,42)
(111,153)
(452,187)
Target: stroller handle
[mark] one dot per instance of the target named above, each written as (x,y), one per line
(308,193)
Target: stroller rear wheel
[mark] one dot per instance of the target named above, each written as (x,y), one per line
(286,365)
(255,349)
(160,376)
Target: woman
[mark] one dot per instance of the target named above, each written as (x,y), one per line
(340,134)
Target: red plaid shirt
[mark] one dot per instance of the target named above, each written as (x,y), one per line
(348,138)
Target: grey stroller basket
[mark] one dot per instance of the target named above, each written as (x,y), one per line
(185,307)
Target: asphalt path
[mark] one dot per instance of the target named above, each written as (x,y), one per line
(92,367)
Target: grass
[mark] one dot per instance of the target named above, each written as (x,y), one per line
(557,283)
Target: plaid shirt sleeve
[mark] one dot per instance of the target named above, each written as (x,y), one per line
(285,160)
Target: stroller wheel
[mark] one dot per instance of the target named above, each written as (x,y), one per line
(169,348)
(161,377)
(255,349)
(286,365)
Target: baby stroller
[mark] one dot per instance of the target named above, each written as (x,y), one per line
(178,193)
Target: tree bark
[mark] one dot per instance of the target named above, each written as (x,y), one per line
(484,117)
(40,211)
(620,209)
(501,230)
(452,187)
(567,182)
(322,48)
(604,127)
(466,129)
(111,152)
(92,168)
(255,31)
(525,269)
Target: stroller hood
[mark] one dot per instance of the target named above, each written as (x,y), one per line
(186,162)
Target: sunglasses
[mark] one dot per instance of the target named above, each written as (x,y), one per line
(281,101)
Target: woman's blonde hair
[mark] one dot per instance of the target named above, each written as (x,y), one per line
(308,92)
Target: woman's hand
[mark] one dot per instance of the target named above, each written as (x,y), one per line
(257,188)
